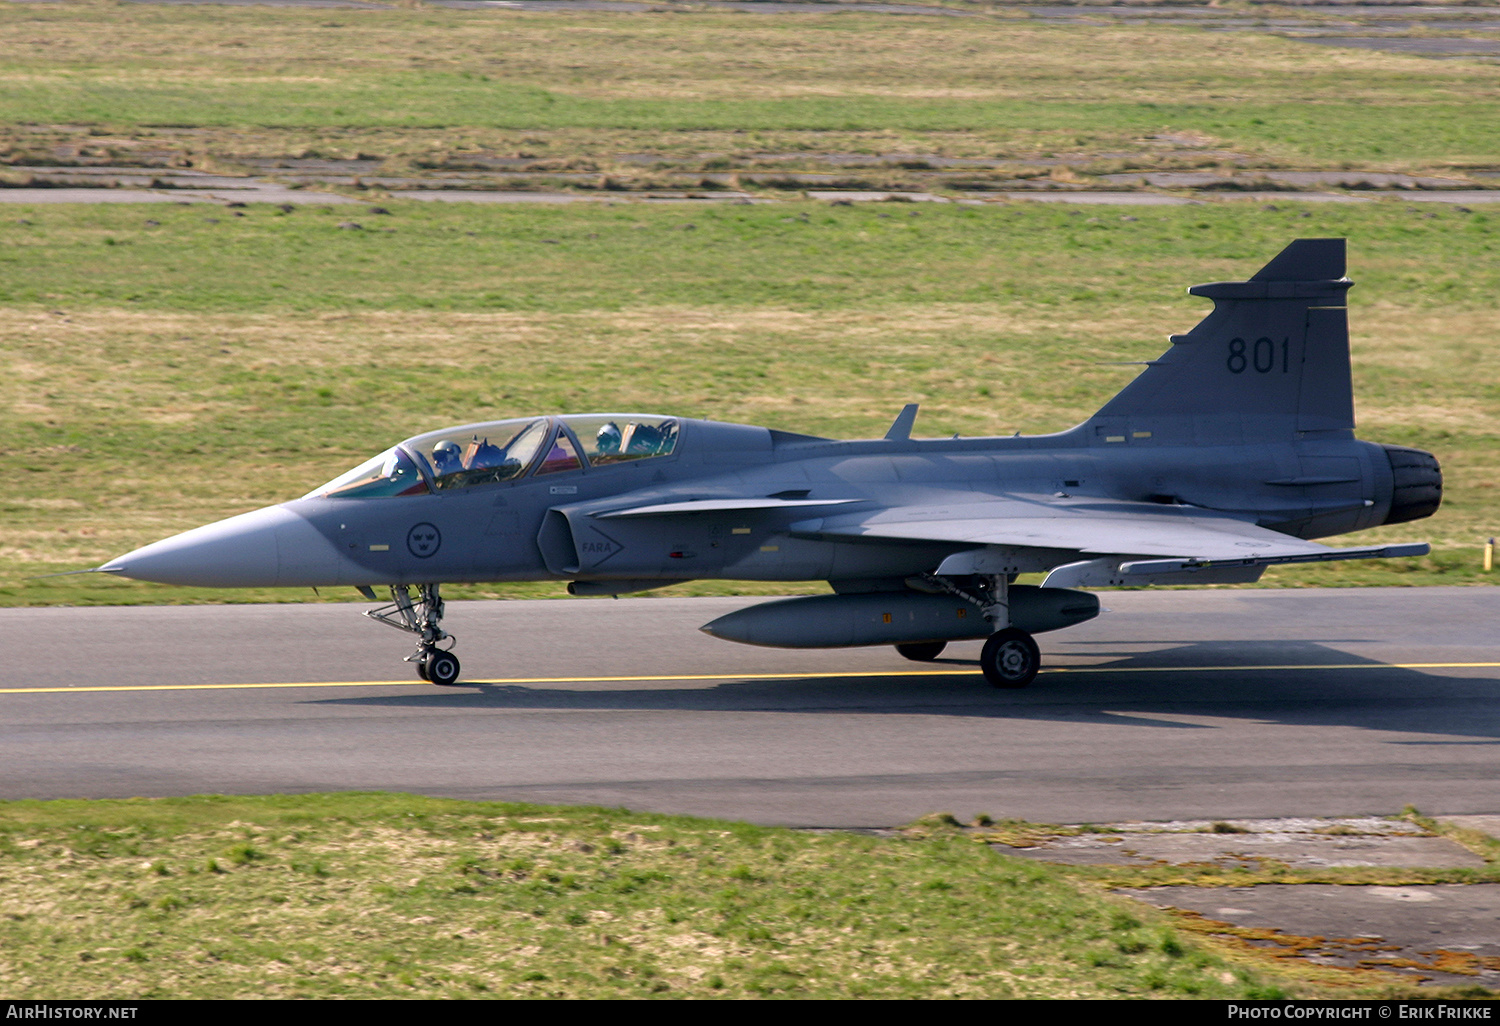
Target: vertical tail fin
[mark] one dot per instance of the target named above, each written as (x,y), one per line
(1271,362)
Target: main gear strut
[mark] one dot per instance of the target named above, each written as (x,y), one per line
(1010,658)
(440,666)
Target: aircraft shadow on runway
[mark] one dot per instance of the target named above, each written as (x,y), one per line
(1289,683)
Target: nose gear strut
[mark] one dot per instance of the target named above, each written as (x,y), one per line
(440,666)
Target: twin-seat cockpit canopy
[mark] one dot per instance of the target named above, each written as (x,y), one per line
(505,450)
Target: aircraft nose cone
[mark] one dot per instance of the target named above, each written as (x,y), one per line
(241,552)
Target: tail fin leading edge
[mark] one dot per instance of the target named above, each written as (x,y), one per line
(1271,362)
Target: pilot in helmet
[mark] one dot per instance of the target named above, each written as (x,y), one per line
(607,441)
(447,458)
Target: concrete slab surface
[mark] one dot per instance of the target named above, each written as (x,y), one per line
(1297,850)
(1445,934)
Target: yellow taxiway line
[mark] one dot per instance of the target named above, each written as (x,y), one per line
(745,676)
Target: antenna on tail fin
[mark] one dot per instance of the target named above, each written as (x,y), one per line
(1271,362)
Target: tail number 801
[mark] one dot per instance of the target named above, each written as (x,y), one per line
(1262,356)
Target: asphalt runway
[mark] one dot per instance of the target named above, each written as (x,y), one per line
(1171,705)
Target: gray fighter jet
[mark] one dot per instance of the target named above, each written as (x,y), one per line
(1225,455)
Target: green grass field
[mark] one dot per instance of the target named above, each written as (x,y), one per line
(379,896)
(424,84)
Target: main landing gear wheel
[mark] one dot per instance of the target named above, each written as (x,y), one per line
(922,651)
(439,667)
(1010,658)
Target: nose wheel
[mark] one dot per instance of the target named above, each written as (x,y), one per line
(438,667)
(421,617)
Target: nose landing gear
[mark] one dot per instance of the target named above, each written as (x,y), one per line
(421,617)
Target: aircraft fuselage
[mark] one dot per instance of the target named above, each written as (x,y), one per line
(540,528)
